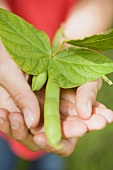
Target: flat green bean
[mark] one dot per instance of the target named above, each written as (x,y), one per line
(51,114)
(39,81)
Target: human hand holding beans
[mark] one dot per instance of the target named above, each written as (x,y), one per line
(19,103)
(72,126)
(16,100)
(76,118)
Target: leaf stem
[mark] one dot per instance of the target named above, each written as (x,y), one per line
(58,48)
(107,80)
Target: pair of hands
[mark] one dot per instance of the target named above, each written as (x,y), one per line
(21,113)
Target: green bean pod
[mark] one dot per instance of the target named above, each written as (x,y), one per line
(56,39)
(39,81)
(51,115)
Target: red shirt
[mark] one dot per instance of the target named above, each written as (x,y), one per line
(46,15)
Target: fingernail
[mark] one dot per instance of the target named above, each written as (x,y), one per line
(14,124)
(1,120)
(28,117)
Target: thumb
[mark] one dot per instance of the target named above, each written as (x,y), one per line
(85,98)
(13,80)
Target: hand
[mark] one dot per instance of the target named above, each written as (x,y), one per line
(16,98)
(13,125)
(96,117)
(85,98)
(72,126)
(16,89)
(9,99)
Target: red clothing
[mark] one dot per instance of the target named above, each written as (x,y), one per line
(45,15)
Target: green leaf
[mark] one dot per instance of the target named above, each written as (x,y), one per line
(75,66)
(96,42)
(29,47)
(56,39)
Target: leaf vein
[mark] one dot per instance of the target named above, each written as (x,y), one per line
(93,64)
(64,74)
(23,36)
(97,40)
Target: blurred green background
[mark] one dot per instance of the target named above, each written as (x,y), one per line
(94,151)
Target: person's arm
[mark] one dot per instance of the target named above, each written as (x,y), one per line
(4,5)
(89,17)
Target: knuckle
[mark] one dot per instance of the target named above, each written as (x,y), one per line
(5,130)
(31,147)
(18,98)
(65,152)
(92,93)
(6,65)
(68,153)
(20,136)
(34,149)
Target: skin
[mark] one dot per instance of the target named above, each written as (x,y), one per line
(78,108)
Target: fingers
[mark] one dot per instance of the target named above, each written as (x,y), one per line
(67,108)
(100,117)
(67,102)
(20,131)
(4,122)
(98,104)
(6,101)
(72,126)
(96,122)
(67,146)
(68,95)
(103,111)
(18,126)
(85,98)
(23,97)
(12,79)
(12,124)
